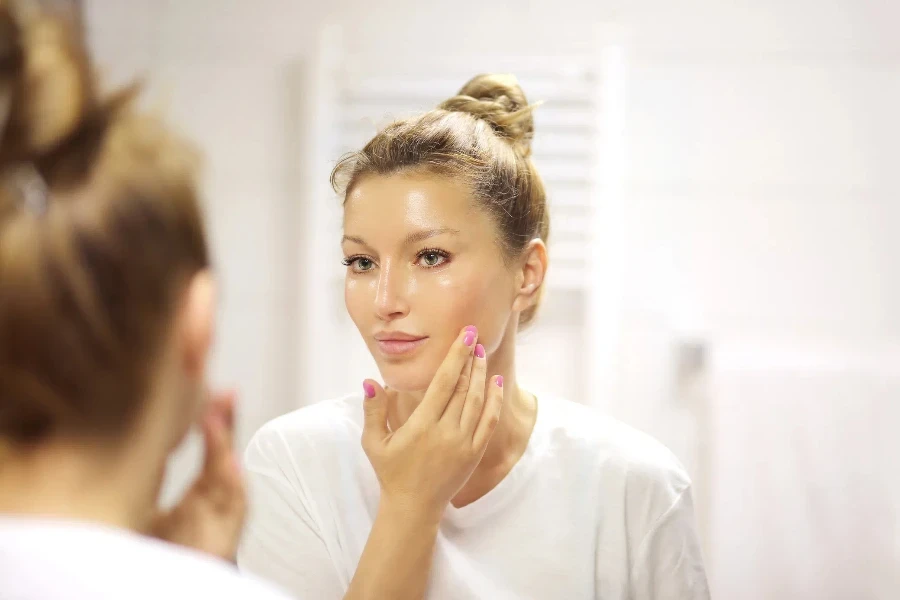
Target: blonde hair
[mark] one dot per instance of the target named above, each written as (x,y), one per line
(100,232)
(483,134)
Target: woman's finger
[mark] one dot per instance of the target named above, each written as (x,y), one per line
(218,427)
(490,415)
(375,425)
(223,402)
(215,439)
(220,480)
(474,400)
(208,483)
(454,408)
(445,380)
(226,400)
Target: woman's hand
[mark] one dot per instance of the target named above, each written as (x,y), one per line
(423,464)
(211,515)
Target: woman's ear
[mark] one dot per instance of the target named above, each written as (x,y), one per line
(197,321)
(531,276)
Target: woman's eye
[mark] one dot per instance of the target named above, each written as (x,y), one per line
(432,259)
(359,264)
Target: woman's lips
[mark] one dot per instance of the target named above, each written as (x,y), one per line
(399,347)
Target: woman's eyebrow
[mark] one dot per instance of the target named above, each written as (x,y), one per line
(418,236)
(413,238)
(354,238)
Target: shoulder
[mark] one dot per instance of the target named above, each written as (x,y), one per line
(635,480)
(320,429)
(613,448)
(126,564)
(208,576)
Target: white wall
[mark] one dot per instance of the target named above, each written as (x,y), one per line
(761,198)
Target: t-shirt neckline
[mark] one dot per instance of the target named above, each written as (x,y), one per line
(503,492)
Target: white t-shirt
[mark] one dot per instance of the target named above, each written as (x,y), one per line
(593,509)
(46,559)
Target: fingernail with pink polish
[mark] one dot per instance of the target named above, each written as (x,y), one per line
(369,388)
(479,351)
(500,381)
(472,328)
(470,337)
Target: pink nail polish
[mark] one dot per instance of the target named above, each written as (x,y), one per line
(470,337)
(370,389)
(472,328)
(500,381)
(479,351)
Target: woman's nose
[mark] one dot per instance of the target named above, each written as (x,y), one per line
(390,296)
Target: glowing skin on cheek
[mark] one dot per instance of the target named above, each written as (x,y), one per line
(413,285)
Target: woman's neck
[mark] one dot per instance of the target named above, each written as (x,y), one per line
(80,481)
(510,439)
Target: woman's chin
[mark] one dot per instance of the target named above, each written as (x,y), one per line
(405,379)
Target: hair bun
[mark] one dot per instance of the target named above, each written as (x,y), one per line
(46,80)
(499,100)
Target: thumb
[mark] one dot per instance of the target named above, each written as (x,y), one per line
(375,408)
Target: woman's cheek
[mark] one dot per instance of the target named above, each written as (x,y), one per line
(469,301)
(459,297)
(358,300)
(488,303)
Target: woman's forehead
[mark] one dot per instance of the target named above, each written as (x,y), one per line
(408,202)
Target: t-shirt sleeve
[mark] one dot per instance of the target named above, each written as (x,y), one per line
(669,563)
(282,542)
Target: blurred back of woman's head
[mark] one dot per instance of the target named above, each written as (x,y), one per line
(101,240)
